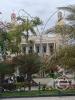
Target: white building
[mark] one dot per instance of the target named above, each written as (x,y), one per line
(45,44)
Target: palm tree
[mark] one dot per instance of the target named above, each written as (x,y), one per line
(14,38)
(17,31)
(29,25)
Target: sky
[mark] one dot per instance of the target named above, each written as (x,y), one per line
(41,8)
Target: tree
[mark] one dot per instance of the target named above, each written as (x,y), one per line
(65,31)
(28,65)
(3,41)
(65,58)
(29,25)
(70,17)
(17,31)
(14,37)
(6,68)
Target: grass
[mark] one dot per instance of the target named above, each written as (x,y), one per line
(36,93)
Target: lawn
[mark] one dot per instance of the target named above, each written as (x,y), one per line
(36,93)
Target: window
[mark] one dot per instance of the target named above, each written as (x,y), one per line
(30,49)
(44,49)
(51,48)
(24,49)
(37,49)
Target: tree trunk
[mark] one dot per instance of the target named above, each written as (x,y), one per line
(29,78)
(27,36)
(1,78)
(1,81)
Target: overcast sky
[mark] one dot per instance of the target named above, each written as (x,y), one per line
(41,8)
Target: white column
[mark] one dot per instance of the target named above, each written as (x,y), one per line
(48,51)
(21,48)
(27,49)
(41,52)
(0,49)
(17,71)
(34,48)
(54,47)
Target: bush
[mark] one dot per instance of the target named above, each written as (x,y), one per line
(9,86)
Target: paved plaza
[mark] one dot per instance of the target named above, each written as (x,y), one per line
(44,98)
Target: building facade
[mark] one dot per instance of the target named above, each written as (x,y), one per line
(43,45)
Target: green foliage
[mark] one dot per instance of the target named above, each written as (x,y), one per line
(64,29)
(65,58)
(16,31)
(3,39)
(36,21)
(29,63)
(71,18)
(6,68)
(41,93)
(29,25)
(13,36)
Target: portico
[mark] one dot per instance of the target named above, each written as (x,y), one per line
(45,45)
